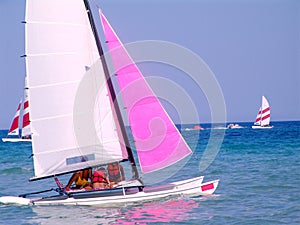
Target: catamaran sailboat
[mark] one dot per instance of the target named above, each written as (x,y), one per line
(14,131)
(262,120)
(80,125)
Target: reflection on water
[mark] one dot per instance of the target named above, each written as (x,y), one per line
(155,212)
(149,212)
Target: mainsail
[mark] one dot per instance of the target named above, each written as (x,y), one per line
(156,147)
(60,50)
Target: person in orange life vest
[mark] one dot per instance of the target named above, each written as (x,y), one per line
(100,179)
(81,179)
(115,173)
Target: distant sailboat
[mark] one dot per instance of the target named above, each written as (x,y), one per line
(14,134)
(14,127)
(262,120)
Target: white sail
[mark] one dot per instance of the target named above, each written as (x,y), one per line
(265,112)
(60,49)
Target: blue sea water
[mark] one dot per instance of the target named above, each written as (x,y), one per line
(259,172)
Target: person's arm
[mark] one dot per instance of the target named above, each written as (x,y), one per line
(73,178)
(122,173)
(90,175)
(107,180)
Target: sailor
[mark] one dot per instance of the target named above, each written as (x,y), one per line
(115,173)
(100,179)
(81,179)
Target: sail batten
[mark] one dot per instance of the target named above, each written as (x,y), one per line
(51,53)
(56,23)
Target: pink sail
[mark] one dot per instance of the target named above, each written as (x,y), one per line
(157,140)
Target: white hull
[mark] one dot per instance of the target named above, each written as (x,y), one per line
(190,187)
(235,127)
(15,140)
(262,127)
(239,127)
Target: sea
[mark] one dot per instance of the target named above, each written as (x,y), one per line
(258,169)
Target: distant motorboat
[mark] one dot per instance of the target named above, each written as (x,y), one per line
(198,127)
(234,126)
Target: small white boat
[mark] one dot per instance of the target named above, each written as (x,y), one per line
(263,117)
(234,126)
(82,126)
(14,134)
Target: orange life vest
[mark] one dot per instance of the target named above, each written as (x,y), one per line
(99,176)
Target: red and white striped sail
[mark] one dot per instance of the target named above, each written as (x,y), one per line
(258,117)
(158,142)
(26,131)
(263,115)
(14,128)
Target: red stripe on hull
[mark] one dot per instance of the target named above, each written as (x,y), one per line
(207,187)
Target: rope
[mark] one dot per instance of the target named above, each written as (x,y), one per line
(96,4)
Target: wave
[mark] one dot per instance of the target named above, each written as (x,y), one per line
(15,170)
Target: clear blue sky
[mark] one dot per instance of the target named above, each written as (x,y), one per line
(252,47)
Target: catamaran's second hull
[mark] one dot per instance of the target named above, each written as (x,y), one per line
(261,127)
(16,140)
(190,187)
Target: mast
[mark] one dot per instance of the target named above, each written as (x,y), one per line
(111,90)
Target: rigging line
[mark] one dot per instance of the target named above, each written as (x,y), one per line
(98,7)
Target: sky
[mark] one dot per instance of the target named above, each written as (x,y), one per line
(251,46)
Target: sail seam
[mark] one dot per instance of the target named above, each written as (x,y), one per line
(56,23)
(51,53)
(53,117)
(54,84)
